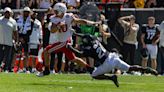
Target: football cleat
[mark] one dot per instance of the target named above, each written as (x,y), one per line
(114,79)
(152,71)
(43,73)
(46,72)
(39,74)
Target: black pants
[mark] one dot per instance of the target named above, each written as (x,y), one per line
(162,59)
(59,56)
(46,35)
(5,56)
(128,49)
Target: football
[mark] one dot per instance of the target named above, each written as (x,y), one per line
(54,30)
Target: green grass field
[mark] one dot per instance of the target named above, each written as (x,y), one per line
(78,83)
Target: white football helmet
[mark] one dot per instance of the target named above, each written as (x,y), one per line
(60,8)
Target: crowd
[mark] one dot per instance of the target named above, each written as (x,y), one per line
(22,37)
(45,4)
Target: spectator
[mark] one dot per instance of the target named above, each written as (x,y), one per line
(8,31)
(161,45)
(149,41)
(150,3)
(33,4)
(45,4)
(104,30)
(35,41)
(72,4)
(24,28)
(9,3)
(130,37)
(22,3)
(160,3)
(135,3)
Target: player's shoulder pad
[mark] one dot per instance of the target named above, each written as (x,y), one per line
(156,25)
(144,25)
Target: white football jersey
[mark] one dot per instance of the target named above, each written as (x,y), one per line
(53,38)
(36,33)
(66,33)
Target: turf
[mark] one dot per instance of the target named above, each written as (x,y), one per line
(78,83)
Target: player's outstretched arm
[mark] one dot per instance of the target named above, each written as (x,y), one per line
(80,53)
(84,21)
(77,34)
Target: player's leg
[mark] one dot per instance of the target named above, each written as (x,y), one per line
(105,77)
(154,63)
(106,67)
(59,55)
(46,60)
(56,47)
(143,69)
(53,61)
(145,59)
(71,56)
(144,62)
(153,55)
(63,63)
(125,67)
(34,59)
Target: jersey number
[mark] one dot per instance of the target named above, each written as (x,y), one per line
(150,35)
(99,50)
(64,28)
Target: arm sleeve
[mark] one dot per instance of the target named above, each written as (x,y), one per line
(15,26)
(40,32)
(143,29)
(80,53)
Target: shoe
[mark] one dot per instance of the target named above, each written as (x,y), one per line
(39,74)
(52,72)
(28,72)
(152,71)
(7,71)
(46,72)
(20,71)
(114,79)
(90,70)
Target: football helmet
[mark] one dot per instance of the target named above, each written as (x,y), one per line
(60,8)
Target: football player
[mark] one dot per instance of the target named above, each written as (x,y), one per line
(109,60)
(61,23)
(149,39)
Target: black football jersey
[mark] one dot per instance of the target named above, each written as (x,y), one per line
(95,50)
(150,33)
